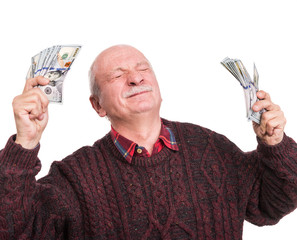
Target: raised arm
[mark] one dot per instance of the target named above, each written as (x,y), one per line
(31,113)
(274,191)
(273,121)
(21,197)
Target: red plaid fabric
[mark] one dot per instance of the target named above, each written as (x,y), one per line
(129,148)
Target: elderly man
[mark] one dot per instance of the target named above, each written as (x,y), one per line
(148,178)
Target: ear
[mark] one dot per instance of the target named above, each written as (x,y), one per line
(96,105)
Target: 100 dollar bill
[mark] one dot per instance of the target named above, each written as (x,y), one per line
(250,87)
(54,64)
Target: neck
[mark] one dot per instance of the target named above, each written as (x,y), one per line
(143,130)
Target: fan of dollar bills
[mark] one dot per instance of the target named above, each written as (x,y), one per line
(250,87)
(54,64)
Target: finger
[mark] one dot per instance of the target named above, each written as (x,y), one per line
(269,119)
(33,104)
(37,95)
(263,95)
(33,82)
(31,109)
(265,101)
(265,104)
(35,110)
(33,99)
(275,123)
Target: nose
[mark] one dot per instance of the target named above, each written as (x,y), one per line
(134,78)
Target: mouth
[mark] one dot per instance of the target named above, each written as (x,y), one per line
(137,91)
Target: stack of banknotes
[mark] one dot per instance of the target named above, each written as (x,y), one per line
(54,64)
(250,87)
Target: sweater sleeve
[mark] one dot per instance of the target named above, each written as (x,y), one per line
(28,209)
(273,192)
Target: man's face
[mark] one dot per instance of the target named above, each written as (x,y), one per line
(127,83)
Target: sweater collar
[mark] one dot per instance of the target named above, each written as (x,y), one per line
(130,149)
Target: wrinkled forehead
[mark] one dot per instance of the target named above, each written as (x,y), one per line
(118,57)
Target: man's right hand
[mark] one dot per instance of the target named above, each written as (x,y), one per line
(31,113)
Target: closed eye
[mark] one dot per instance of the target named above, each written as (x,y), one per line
(117,73)
(143,66)
(118,76)
(143,69)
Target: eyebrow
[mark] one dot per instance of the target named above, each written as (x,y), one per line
(117,69)
(137,65)
(143,63)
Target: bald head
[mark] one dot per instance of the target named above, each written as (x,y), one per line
(105,60)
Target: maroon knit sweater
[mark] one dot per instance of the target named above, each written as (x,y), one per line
(203,191)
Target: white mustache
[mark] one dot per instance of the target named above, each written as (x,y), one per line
(137,89)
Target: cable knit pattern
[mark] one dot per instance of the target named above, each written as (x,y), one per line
(203,191)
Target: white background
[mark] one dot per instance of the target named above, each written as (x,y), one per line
(185,42)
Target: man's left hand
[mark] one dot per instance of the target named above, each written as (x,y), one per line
(273,121)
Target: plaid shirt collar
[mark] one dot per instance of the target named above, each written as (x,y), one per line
(128,148)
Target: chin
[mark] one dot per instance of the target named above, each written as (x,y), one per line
(144,107)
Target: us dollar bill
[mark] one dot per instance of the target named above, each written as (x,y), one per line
(53,63)
(250,87)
